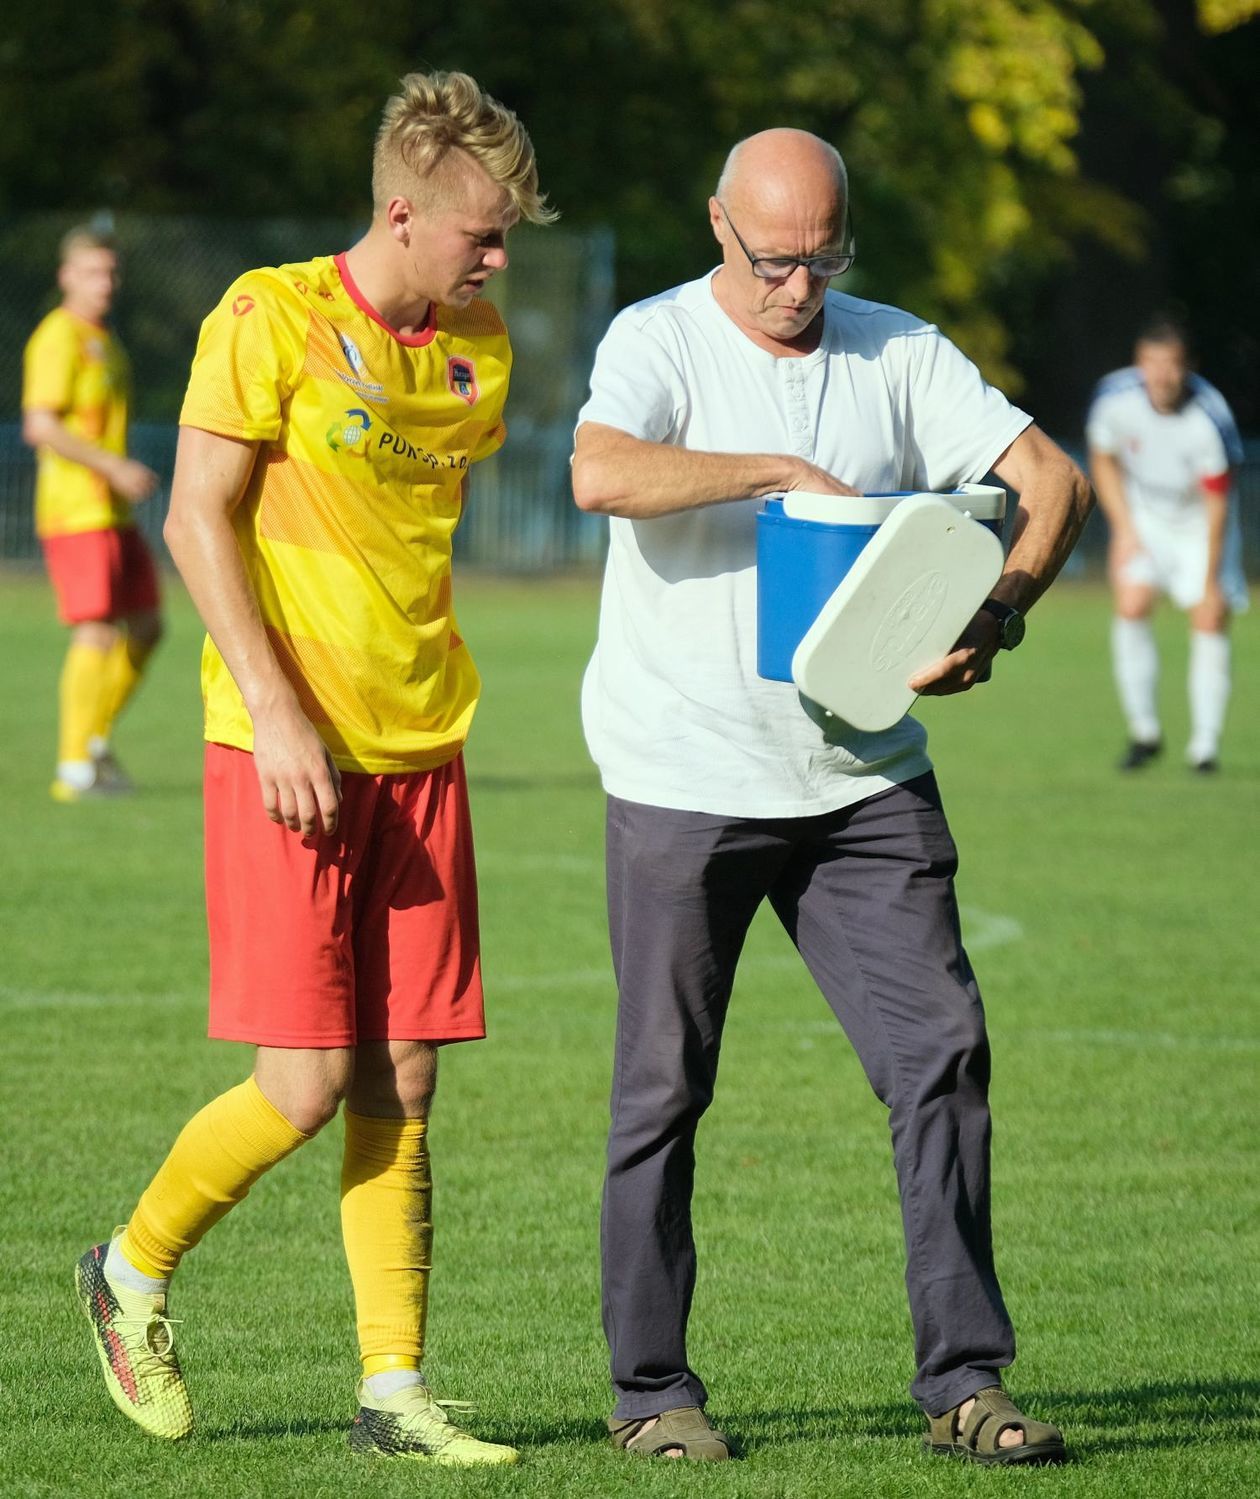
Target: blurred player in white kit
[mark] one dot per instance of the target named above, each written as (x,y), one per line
(1162,447)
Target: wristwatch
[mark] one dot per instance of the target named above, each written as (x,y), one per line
(1010,623)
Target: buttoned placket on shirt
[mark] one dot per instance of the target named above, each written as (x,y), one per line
(801,384)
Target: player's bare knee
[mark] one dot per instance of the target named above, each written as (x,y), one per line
(393,1079)
(1207,619)
(96,634)
(1129,607)
(310,1108)
(305,1086)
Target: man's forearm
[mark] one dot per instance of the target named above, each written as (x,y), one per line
(1055,499)
(46,430)
(210,476)
(1108,478)
(1217,516)
(210,564)
(616,474)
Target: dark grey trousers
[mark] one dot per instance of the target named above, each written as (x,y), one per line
(867,896)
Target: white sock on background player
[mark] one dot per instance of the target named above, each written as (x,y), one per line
(1208,683)
(1135,662)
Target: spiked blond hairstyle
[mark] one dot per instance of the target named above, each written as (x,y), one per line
(434,114)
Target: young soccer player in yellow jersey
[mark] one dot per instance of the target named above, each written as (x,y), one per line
(333,411)
(75,390)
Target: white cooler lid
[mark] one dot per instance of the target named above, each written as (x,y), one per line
(981,501)
(902,605)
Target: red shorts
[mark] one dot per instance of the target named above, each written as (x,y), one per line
(101,575)
(368,935)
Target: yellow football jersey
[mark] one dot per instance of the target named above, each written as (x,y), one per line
(345,527)
(77,370)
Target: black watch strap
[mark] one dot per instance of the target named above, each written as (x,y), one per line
(1010,622)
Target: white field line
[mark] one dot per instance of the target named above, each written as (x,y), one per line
(985,929)
(1154,1040)
(64,999)
(981,930)
(601,978)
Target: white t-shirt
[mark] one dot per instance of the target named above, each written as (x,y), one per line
(1205,395)
(674,711)
(1165,455)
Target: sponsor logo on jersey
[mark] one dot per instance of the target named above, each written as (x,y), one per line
(349,437)
(368,391)
(398,445)
(350,434)
(351,350)
(461,376)
(243,304)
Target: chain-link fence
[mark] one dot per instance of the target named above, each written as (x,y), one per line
(557,298)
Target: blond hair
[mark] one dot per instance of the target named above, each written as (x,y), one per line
(84,237)
(435,114)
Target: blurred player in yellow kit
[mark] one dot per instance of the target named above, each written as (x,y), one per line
(75,392)
(332,414)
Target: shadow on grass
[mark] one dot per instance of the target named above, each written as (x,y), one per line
(575,1431)
(754,1430)
(1144,1417)
(249,1431)
(1141,1417)
(1183,1413)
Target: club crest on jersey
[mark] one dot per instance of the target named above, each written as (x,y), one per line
(461,376)
(351,350)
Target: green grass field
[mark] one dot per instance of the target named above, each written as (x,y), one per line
(1113,924)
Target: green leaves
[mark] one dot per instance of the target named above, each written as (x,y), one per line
(961,121)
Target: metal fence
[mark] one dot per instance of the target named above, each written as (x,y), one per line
(521,518)
(557,298)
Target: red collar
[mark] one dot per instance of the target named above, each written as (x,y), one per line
(412,340)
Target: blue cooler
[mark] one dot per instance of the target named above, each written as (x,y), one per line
(800,562)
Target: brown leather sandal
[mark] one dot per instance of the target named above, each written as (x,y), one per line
(979,1439)
(687,1429)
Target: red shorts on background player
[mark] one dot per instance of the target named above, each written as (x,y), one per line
(75,392)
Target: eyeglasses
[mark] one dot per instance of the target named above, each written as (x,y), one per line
(780,267)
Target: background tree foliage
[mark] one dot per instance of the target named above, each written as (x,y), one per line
(1034,174)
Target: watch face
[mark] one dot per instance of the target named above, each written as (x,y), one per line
(1012,631)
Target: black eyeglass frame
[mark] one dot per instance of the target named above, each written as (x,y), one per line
(843,261)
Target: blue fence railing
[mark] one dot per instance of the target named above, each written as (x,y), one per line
(521,517)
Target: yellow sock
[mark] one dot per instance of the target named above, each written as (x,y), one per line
(84,679)
(123,671)
(386,1207)
(219,1155)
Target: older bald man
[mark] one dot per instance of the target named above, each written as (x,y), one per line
(722,792)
